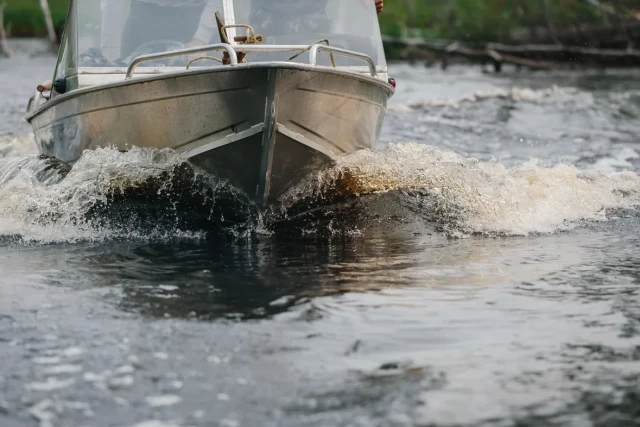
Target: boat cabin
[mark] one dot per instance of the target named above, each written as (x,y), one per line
(107,41)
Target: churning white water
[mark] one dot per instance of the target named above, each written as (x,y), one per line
(42,202)
(473,196)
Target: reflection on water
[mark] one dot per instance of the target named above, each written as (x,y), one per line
(392,326)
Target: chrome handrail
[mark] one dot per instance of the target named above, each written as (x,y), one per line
(233,57)
(313,56)
(271,47)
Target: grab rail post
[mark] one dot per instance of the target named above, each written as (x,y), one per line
(313,56)
(233,57)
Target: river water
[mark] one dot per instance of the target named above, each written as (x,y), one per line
(486,276)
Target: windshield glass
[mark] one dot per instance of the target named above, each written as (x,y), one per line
(348,24)
(112,33)
(66,64)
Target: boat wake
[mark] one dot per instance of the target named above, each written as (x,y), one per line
(140,194)
(151,194)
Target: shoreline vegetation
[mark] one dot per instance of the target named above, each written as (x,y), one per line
(546,32)
(537,34)
(24,18)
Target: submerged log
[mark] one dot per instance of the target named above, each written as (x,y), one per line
(527,55)
(605,36)
(4,47)
(572,54)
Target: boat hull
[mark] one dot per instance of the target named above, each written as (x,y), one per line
(262,128)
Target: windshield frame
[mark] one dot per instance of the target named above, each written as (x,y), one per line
(70,64)
(66,66)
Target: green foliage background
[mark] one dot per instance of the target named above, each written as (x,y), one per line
(24,17)
(497,19)
(452,19)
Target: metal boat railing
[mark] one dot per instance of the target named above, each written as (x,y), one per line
(313,56)
(233,57)
(313,49)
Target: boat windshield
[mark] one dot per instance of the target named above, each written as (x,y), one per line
(111,33)
(347,24)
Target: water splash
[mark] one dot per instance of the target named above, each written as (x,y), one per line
(151,194)
(143,193)
(468,196)
(17,146)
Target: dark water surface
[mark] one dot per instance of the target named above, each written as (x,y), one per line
(491,281)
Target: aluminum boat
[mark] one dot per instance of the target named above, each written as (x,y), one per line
(276,89)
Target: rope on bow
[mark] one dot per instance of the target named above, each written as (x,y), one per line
(308,48)
(201,58)
(250,38)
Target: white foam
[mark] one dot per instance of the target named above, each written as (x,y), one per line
(48,213)
(482,197)
(615,160)
(62,369)
(41,412)
(46,360)
(121,382)
(155,423)
(50,384)
(17,146)
(166,400)
(72,352)
(126,369)
(515,94)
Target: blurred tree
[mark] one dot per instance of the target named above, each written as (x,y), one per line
(24,17)
(489,20)
(507,20)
